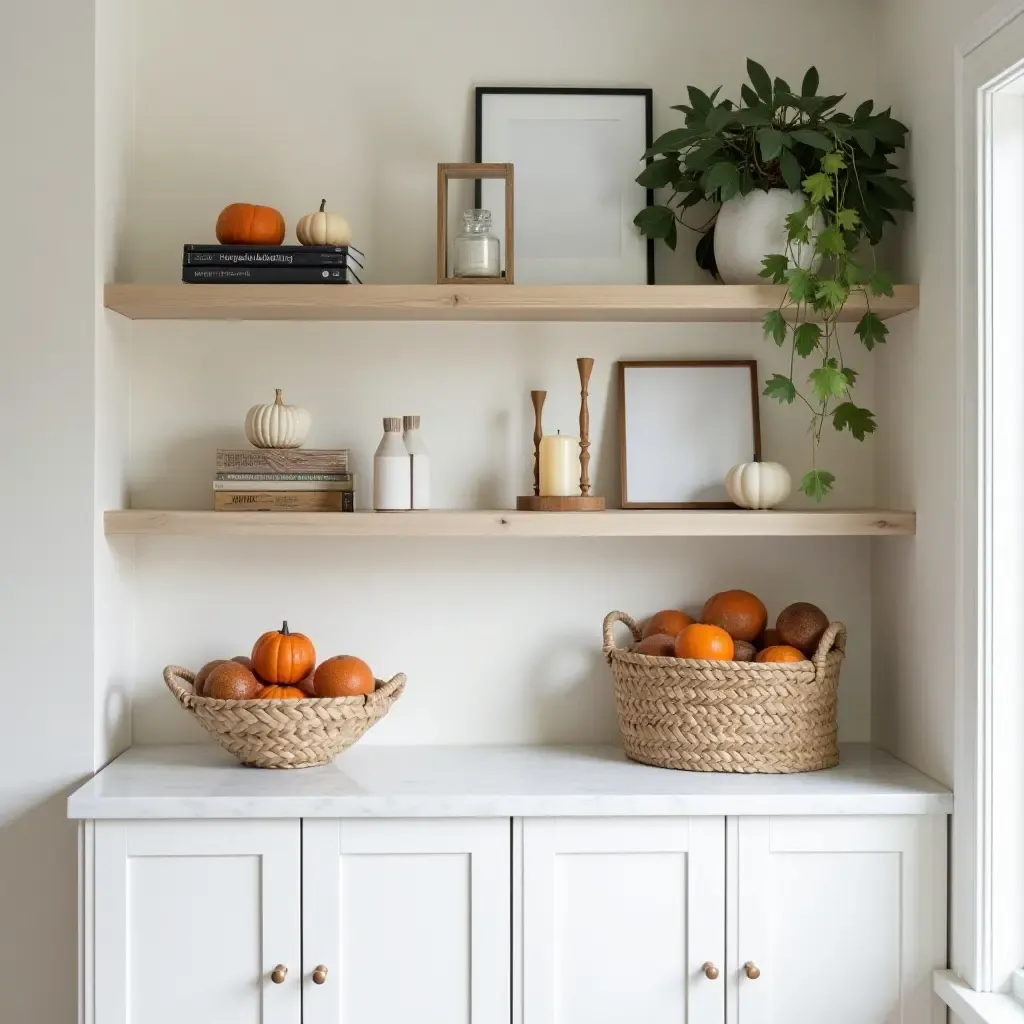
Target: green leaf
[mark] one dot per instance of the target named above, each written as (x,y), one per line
(705,252)
(700,101)
(805,339)
(850,375)
(775,267)
(832,295)
(810,82)
(865,140)
(782,389)
(701,158)
(673,141)
(749,96)
(830,242)
(791,173)
(871,330)
(782,90)
(817,484)
(847,219)
(860,422)
(797,227)
(672,238)
(853,273)
(760,80)
(809,137)
(660,173)
(775,326)
(818,187)
(833,163)
(655,221)
(692,198)
(802,285)
(828,382)
(880,283)
(770,140)
(864,110)
(719,118)
(724,178)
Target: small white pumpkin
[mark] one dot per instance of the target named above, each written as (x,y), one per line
(758,484)
(323,228)
(277,425)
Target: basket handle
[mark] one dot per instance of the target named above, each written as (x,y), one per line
(173,676)
(390,691)
(833,639)
(609,621)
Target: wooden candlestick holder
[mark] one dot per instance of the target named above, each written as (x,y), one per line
(585,501)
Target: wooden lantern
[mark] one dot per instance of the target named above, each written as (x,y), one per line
(474,172)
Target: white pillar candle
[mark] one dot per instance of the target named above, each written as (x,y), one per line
(559,466)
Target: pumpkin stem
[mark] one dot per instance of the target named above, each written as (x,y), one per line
(323,203)
(284,628)
(278,400)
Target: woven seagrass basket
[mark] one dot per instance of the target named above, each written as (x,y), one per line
(727,716)
(285,733)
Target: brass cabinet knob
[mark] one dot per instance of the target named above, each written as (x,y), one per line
(753,971)
(319,975)
(278,974)
(710,971)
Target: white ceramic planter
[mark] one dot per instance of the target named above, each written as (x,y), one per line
(753,226)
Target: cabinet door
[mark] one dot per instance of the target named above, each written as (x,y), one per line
(618,918)
(411,919)
(192,917)
(844,918)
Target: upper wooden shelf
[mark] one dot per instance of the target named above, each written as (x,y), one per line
(501,523)
(627,303)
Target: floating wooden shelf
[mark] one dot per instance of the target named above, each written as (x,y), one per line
(637,303)
(702,523)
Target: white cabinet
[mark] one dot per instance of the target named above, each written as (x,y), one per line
(411,918)
(190,920)
(843,919)
(618,917)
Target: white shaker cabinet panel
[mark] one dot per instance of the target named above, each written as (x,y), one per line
(410,918)
(619,918)
(191,918)
(835,919)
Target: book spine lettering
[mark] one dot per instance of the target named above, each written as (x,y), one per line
(274,461)
(265,275)
(253,258)
(245,486)
(255,478)
(284,501)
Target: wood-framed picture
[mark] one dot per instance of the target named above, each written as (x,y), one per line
(682,427)
(577,154)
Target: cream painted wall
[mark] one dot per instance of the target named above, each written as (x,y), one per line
(230,106)
(913,585)
(47,520)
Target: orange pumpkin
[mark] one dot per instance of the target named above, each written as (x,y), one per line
(658,645)
(781,652)
(231,681)
(343,676)
(709,643)
(283,656)
(199,686)
(246,224)
(668,622)
(741,614)
(282,693)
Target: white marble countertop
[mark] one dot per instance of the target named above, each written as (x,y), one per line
(203,781)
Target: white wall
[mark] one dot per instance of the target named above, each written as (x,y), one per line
(231,105)
(913,585)
(47,520)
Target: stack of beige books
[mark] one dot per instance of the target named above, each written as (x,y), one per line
(283,480)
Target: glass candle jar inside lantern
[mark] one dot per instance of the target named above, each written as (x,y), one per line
(476,252)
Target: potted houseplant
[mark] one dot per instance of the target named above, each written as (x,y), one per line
(800,186)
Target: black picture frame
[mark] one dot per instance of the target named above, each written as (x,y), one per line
(540,90)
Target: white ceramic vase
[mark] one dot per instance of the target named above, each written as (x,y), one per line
(753,226)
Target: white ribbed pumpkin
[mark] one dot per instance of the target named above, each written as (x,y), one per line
(323,228)
(277,425)
(758,484)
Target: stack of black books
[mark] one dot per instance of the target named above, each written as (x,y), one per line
(272,264)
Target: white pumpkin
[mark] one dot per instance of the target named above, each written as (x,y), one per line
(277,425)
(323,228)
(758,484)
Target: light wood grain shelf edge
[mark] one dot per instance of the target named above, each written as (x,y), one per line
(502,523)
(579,303)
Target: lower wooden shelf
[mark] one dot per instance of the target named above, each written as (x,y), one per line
(501,523)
